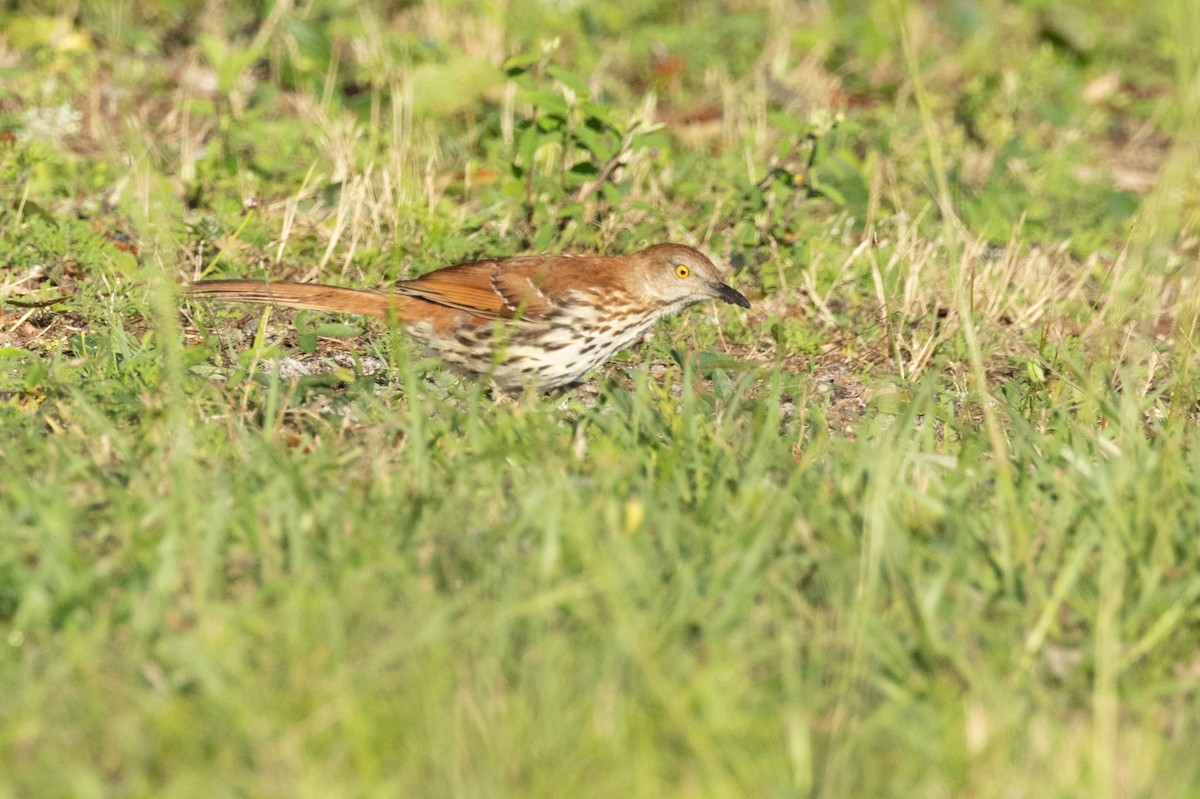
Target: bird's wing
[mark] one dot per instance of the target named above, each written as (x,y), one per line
(505,289)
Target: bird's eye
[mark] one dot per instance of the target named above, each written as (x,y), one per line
(682,271)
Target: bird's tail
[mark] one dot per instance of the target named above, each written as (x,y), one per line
(298,295)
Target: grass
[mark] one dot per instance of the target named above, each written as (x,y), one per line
(921,522)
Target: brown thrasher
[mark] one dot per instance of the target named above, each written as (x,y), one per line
(535,320)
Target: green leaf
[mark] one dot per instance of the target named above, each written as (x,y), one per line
(547,101)
(570,80)
(654,139)
(598,117)
(518,64)
(336,330)
(32,208)
(787,122)
(228,63)
(544,236)
(523,80)
(527,144)
(452,86)
(594,143)
(745,233)
(614,193)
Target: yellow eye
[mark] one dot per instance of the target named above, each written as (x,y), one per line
(682,270)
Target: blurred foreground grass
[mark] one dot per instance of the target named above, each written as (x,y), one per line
(922,522)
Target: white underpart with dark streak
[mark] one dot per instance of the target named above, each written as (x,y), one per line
(549,352)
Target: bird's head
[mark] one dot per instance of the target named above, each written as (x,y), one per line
(677,275)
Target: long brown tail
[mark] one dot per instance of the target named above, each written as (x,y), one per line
(299,295)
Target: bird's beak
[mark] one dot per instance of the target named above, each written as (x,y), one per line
(729,295)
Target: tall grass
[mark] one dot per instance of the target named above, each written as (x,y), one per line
(922,523)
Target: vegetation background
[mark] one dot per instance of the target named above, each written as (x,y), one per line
(923,522)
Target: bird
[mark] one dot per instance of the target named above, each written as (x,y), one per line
(540,321)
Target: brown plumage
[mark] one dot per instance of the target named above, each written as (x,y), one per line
(535,320)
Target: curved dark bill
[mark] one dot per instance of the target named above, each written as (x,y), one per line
(730,295)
